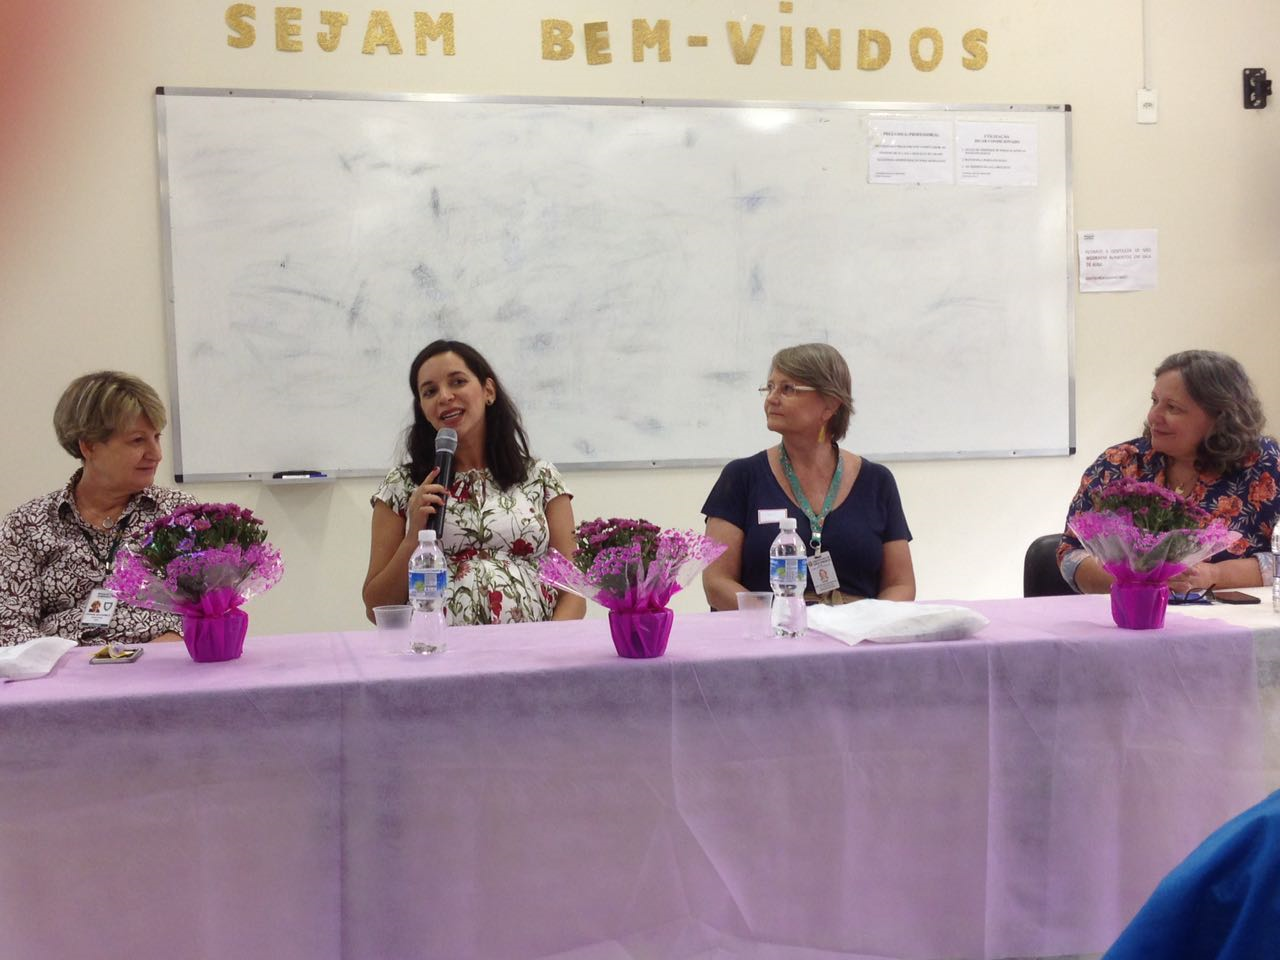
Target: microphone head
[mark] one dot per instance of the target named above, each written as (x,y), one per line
(447,441)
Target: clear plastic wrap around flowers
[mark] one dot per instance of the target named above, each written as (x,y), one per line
(203,559)
(1141,532)
(629,566)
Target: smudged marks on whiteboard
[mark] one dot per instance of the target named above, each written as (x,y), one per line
(650,425)
(732,378)
(751,202)
(356,308)
(300,292)
(435,202)
(540,343)
(690,138)
(971,304)
(425,279)
(511,311)
(756,283)
(585,447)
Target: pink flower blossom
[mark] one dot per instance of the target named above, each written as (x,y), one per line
(629,565)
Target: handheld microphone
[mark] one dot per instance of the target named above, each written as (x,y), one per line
(446,445)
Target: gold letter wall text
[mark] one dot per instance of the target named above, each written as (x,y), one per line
(563,40)
(380,33)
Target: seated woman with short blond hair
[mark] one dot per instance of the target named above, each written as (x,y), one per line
(56,550)
(845,506)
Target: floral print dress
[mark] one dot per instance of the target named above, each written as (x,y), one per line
(492,540)
(1246,498)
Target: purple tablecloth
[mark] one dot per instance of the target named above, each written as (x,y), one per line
(530,794)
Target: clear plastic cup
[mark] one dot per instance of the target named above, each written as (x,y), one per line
(753,612)
(393,626)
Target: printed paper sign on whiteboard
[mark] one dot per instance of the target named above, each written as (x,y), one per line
(909,151)
(997,154)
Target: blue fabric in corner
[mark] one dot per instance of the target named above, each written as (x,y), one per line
(1221,903)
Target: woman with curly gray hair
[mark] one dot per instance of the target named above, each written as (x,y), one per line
(1202,439)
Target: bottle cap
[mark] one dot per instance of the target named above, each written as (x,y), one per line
(426,536)
(787,523)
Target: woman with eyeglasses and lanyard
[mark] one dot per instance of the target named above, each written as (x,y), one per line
(846,508)
(56,550)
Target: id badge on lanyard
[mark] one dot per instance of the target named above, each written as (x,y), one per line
(99,608)
(822,571)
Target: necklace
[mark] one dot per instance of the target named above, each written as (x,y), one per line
(107,521)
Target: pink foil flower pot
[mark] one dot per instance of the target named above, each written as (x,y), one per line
(641,635)
(210,639)
(1139,606)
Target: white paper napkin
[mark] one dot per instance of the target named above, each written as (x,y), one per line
(32,658)
(890,621)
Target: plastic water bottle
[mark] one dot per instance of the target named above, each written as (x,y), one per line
(428,577)
(788,574)
(1275,569)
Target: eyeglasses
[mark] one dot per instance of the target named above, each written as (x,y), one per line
(1193,596)
(788,390)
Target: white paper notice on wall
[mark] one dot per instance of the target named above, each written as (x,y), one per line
(1117,260)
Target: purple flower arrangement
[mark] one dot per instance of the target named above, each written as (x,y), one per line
(1143,532)
(629,566)
(202,559)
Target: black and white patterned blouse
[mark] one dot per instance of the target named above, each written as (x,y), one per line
(50,560)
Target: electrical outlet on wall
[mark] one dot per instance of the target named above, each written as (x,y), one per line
(1147,104)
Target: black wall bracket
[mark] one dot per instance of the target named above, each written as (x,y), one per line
(1256,88)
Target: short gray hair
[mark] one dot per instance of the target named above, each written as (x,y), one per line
(1219,385)
(96,405)
(820,365)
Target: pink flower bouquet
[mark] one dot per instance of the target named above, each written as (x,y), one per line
(629,566)
(201,560)
(1144,533)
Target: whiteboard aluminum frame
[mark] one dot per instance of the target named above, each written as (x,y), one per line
(886,107)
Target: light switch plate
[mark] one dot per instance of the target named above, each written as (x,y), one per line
(1147,105)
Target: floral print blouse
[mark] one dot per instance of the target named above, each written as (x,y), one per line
(1245,498)
(492,541)
(50,560)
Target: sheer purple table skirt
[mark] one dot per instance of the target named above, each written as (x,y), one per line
(531,794)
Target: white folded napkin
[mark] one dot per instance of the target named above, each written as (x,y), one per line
(32,658)
(891,621)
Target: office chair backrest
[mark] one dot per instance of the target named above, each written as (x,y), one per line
(1040,574)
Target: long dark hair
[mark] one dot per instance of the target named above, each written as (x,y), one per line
(506,448)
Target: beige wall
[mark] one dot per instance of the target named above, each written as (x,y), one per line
(81,253)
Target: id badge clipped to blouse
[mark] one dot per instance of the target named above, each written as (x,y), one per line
(99,608)
(822,570)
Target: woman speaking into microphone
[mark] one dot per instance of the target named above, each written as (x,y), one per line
(501,511)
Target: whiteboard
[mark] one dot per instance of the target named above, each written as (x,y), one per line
(628,267)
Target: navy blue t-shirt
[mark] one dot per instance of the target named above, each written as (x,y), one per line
(854,533)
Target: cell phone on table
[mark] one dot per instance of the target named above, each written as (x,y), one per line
(1234,596)
(104,655)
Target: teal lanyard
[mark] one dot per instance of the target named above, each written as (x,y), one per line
(815,519)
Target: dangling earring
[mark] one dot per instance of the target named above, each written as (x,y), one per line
(822,433)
